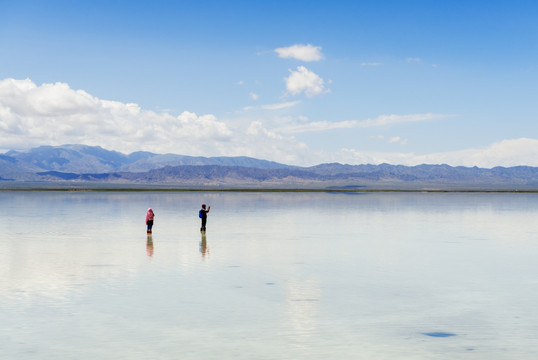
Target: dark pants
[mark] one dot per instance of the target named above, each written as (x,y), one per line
(150,224)
(204,220)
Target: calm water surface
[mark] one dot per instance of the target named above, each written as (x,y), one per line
(277,276)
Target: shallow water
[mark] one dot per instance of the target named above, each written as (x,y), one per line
(276,276)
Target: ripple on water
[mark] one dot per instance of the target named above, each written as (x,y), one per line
(439,334)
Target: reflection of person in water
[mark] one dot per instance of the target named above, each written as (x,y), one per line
(149,219)
(149,246)
(203,245)
(203,216)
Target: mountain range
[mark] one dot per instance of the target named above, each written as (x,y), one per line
(82,164)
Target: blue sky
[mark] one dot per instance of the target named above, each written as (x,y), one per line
(299,82)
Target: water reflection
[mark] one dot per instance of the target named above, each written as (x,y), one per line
(416,276)
(149,246)
(303,309)
(204,250)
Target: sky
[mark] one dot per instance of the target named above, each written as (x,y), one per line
(297,82)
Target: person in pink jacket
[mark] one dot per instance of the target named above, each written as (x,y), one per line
(149,219)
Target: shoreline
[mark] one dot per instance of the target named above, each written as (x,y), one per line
(326,187)
(263,190)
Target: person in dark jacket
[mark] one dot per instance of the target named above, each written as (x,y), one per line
(203,216)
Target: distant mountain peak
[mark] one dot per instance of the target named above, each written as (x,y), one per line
(79,158)
(75,162)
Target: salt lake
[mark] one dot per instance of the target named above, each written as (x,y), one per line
(283,275)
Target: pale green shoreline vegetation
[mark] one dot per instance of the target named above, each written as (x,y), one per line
(20,186)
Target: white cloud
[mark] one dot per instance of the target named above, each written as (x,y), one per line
(280,106)
(513,152)
(254,96)
(276,106)
(55,114)
(382,120)
(301,52)
(304,80)
(413,60)
(371,64)
(397,140)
